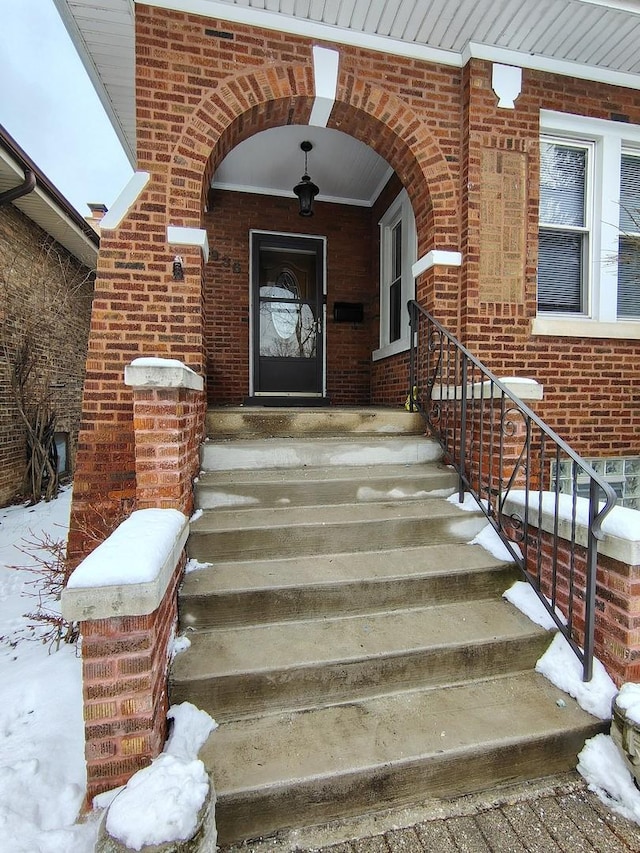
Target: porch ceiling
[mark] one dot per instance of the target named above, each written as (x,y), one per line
(591,39)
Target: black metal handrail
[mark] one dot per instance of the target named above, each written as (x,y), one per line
(545,501)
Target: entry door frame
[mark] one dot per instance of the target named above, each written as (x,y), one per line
(252,342)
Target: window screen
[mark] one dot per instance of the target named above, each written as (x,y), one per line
(629,244)
(563,238)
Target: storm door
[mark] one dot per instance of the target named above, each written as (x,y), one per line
(287,311)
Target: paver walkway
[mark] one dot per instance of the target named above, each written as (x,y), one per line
(557,817)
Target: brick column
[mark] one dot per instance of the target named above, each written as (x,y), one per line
(123,595)
(168,418)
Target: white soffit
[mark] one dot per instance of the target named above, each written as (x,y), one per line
(40,208)
(271,162)
(590,39)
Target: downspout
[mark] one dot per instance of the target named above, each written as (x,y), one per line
(27,186)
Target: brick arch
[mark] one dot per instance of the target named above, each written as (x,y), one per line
(385,122)
(274,96)
(243,105)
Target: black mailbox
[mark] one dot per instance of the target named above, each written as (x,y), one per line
(348,312)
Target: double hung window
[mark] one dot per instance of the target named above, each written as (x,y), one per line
(589,227)
(628,303)
(564,236)
(397,285)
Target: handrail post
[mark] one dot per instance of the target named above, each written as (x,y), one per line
(590,591)
(463,428)
(412,354)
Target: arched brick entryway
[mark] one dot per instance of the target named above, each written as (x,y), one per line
(140,310)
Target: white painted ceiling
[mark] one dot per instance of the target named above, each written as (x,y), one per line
(593,39)
(344,169)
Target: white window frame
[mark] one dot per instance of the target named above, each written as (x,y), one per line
(399,211)
(608,139)
(587,228)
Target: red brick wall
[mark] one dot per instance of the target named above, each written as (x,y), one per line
(45,297)
(591,396)
(202,86)
(350,248)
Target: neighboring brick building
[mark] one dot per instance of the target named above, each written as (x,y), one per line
(457,117)
(47,257)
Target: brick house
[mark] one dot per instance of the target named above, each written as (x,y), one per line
(483,161)
(48,254)
(464,119)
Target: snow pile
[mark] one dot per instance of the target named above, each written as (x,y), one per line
(559,663)
(628,700)
(469,503)
(488,538)
(523,596)
(179,644)
(161,803)
(42,768)
(604,770)
(194,565)
(561,666)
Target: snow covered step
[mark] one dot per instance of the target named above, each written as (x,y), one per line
(309,486)
(236,672)
(286,532)
(243,422)
(317,452)
(302,768)
(259,591)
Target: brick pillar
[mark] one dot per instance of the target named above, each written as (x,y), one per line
(168,414)
(128,617)
(123,595)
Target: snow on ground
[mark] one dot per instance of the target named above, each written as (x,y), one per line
(42,769)
(523,596)
(561,666)
(604,771)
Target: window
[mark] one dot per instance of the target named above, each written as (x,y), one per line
(397,285)
(628,303)
(589,228)
(61,454)
(563,248)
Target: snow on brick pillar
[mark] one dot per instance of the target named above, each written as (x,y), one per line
(124,597)
(617,618)
(168,417)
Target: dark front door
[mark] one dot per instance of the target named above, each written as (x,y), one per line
(287,297)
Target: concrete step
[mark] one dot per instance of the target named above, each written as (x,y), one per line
(227,455)
(309,486)
(303,768)
(236,672)
(265,422)
(261,591)
(286,532)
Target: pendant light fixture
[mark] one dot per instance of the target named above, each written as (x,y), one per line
(306,190)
